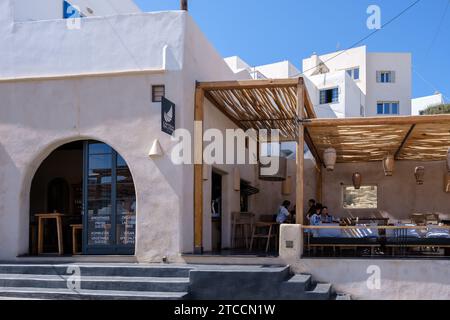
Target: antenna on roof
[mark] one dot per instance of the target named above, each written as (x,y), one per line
(184,5)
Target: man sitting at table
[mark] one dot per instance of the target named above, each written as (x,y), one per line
(326,217)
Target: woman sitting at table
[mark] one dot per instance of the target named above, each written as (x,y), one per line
(283,212)
(316,219)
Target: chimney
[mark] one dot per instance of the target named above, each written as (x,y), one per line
(184,5)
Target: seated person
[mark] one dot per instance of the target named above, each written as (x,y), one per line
(315,219)
(283,212)
(312,208)
(326,217)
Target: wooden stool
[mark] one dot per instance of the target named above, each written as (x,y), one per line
(75,228)
(243,222)
(58,217)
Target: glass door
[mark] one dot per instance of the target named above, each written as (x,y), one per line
(109,215)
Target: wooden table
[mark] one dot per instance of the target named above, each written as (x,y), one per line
(45,216)
(384,221)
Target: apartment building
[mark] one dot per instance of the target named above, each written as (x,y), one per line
(351,83)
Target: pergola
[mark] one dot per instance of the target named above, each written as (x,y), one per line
(285,105)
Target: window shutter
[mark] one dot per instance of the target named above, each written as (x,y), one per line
(393,76)
(378,76)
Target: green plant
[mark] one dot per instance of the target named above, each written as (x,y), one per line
(440,109)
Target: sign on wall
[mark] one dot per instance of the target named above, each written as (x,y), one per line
(167,116)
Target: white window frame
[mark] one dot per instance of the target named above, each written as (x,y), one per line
(390,108)
(351,73)
(327,89)
(381,76)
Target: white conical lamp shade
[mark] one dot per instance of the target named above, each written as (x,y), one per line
(156,150)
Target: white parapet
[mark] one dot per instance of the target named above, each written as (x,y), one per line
(291,242)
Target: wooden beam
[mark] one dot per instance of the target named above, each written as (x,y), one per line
(313,149)
(319,186)
(198,170)
(309,106)
(404,141)
(275,119)
(248,84)
(300,153)
(398,120)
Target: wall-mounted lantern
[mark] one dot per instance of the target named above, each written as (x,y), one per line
(286,187)
(447,182)
(236,179)
(156,150)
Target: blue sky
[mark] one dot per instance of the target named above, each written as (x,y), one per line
(266,31)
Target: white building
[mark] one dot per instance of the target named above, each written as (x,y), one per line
(350,83)
(26,10)
(384,81)
(420,104)
(97,89)
(81,108)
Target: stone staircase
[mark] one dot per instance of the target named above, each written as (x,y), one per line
(98,282)
(257,283)
(158,282)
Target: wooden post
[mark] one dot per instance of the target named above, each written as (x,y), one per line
(319,187)
(198,170)
(184,5)
(300,152)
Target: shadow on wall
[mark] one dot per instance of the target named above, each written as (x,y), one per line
(8,173)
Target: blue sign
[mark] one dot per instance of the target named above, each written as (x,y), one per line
(69,11)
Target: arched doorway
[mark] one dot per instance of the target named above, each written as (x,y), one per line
(91,185)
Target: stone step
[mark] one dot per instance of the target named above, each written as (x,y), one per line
(237,282)
(295,287)
(66,294)
(107,270)
(321,291)
(342,296)
(157,284)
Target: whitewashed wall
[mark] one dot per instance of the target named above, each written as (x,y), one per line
(398,91)
(32,10)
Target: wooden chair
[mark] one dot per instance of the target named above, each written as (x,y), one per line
(241,223)
(432,218)
(264,230)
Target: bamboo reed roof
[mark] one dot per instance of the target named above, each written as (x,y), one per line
(260,104)
(272,104)
(420,138)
